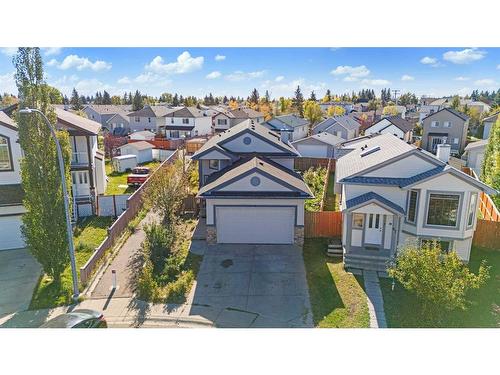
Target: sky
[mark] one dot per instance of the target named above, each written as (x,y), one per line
(236,71)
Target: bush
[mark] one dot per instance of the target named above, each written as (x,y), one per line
(158,244)
(147,287)
(315,179)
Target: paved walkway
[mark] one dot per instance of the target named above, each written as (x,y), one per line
(375,300)
(124,263)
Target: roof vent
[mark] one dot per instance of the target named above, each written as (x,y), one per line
(370,151)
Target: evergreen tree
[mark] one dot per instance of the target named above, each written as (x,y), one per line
(298,102)
(225,99)
(328,96)
(137,102)
(254,97)
(267,97)
(44,222)
(106,98)
(76,104)
(83,99)
(175,100)
(313,96)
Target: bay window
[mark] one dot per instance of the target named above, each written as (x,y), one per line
(472,210)
(411,212)
(5,154)
(443,209)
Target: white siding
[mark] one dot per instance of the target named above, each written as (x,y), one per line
(406,167)
(266,184)
(257,145)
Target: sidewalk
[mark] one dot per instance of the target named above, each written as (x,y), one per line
(375,300)
(124,263)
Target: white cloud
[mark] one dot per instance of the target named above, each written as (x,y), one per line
(486,82)
(375,82)
(428,60)
(8,84)
(465,56)
(464,91)
(51,51)
(90,86)
(9,51)
(52,62)
(498,66)
(461,78)
(220,57)
(350,79)
(353,71)
(407,77)
(213,75)
(279,78)
(124,81)
(287,88)
(242,76)
(81,63)
(185,63)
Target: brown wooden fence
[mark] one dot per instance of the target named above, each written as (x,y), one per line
(115,231)
(303,164)
(322,224)
(487,234)
(486,205)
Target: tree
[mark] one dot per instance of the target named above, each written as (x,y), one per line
(175,100)
(490,169)
(328,96)
(106,98)
(233,104)
(335,110)
(455,103)
(390,110)
(313,96)
(254,97)
(75,101)
(116,100)
(44,223)
(137,101)
(298,102)
(440,281)
(313,113)
(55,96)
(8,100)
(267,97)
(285,105)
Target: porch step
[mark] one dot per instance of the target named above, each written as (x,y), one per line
(366,262)
(334,252)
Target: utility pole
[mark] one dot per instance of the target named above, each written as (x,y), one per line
(396,93)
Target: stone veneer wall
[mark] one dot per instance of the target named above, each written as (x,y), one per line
(211,235)
(298,236)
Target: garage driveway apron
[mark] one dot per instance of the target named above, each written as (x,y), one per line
(252,286)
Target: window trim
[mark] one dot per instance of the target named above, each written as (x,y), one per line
(434,124)
(210,166)
(474,211)
(414,222)
(459,213)
(446,124)
(363,221)
(9,149)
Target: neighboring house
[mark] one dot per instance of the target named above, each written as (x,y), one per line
(345,127)
(249,188)
(393,193)
(144,135)
(225,119)
(474,154)
(151,117)
(87,162)
(488,123)
(290,127)
(103,113)
(320,145)
(481,107)
(395,125)
(348,107)
(185,122)
(141,149)
(445,126)
(118,124)
(426,110)
(11,192)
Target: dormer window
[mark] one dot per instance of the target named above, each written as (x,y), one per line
(5,155)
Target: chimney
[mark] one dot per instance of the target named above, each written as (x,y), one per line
(443,152)
(284,136)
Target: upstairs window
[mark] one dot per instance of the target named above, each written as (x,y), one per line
(213,164)
(137,119)
(5,154)
(434,124)
(447,124)
(149,119)
(185,121)
(443,210)
(472,210)
(222,121)
(412,206)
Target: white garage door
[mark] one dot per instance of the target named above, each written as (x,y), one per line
(266,225)
(10,233)
(313,151)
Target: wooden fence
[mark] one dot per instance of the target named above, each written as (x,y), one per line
(487,234)
(322,224)
(115,231)
(486,205)
(303,164)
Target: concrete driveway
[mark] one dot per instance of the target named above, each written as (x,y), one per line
(252,286)
(19,273)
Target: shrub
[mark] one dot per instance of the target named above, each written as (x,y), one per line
(147,287)
(315,179)
(158,244)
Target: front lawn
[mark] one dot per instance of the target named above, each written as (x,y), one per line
(402,308)
(88,234)
(117,181)
(337,297)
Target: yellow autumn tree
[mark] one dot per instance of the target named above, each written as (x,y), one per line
(335,110)
(390,110)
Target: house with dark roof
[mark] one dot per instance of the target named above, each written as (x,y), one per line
(393,194)
(395,125)
(185,122)
(223,119)
(488,123)
(291,127)
(345,127)
(248,187)
(321,145)
(109,116)
(445,126)
(150,117)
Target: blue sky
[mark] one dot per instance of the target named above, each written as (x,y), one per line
(236,71)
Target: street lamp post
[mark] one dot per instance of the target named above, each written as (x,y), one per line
(69,230)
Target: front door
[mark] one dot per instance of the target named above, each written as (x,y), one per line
(373,231)
(80,183)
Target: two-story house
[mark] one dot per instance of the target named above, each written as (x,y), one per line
(150,117)
(445,126)
(393,193)
(250,191)
(225,119)
(185,122)
(11,192)
(345,127)
(290,127)
(395,125)
(109,116)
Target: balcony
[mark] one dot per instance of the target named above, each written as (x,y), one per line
(79,159)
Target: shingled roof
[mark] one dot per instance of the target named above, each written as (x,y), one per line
(346,121)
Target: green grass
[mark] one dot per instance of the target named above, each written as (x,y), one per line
(331,203)
(402,308)
(88,234)
(117,182)
(337,297)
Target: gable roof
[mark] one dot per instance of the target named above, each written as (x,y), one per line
(404,125)
(292,120)
(247,166)
(252,113)
(7,121)
(260,131)
(151,111)
(107,109)
(460,115)
(371,196)
(326,138)
(184,112)
(139,145)
(77,122)
(123,115)
(346,121)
